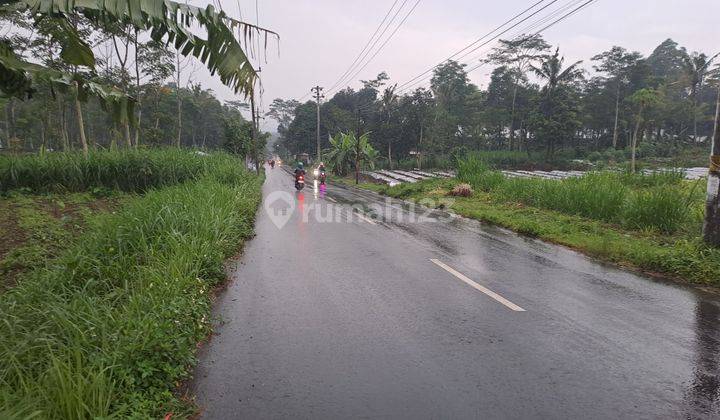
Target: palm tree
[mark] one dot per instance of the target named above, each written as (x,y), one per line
(551,70)
(557,117)
(696,67)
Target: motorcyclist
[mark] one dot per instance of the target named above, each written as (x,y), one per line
(299,170)
(321,172)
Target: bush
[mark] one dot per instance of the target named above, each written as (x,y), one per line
(125,170)
(595,156)
(111,326)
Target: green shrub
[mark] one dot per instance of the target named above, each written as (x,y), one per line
(111,326)
(595,156)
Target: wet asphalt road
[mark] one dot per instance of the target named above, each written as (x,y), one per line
(353,319)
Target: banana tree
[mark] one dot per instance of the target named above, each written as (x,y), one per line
(222,50)
(347,151)
(19,78)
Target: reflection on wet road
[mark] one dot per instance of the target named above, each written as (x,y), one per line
(357,308)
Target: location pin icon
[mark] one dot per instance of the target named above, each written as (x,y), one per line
(279,205)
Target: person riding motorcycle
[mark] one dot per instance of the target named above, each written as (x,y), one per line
(321,172)
(299,170)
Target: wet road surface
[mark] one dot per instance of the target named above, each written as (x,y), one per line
(340,315)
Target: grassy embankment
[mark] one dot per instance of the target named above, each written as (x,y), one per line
(650,223)
(37,227)
(110,325)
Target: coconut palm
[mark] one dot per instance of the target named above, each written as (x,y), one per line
(556,119)
(551,70)
(696,67)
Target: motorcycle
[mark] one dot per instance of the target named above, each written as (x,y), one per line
(320,176)
(299,182)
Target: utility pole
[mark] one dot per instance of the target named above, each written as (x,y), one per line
(711,227)
(318,96)
(254,131)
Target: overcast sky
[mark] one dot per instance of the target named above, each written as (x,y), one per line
(320,38)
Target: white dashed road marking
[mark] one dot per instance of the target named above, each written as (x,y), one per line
(476,286)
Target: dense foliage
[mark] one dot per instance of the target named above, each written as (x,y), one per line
(108,74)
(535,103)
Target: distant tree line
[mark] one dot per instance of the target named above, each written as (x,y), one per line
(154,80)
(534,102)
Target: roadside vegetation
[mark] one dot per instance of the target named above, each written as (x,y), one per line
(648,222)
(538,110)
(106,321)
(36,228)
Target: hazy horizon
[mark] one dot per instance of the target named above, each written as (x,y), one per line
(319,39)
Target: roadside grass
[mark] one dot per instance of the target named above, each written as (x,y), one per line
(681,255)
(36,228)
(662,201)
(110,327)
(123,170)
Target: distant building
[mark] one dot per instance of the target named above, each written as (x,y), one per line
(303,157)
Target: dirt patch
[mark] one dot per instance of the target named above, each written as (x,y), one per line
(37,228)
(13,236)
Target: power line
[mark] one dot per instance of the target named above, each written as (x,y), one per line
(350,67)
(387,40)
(525,30)
(550,16)
(362,52)
(473,43)
(535,24)
(375,42)
(567,15)
(405,86)
(587,3)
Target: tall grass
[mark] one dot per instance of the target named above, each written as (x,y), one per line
(109,328)
(596,196)
(659,201)
(125,170)
(475,171)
